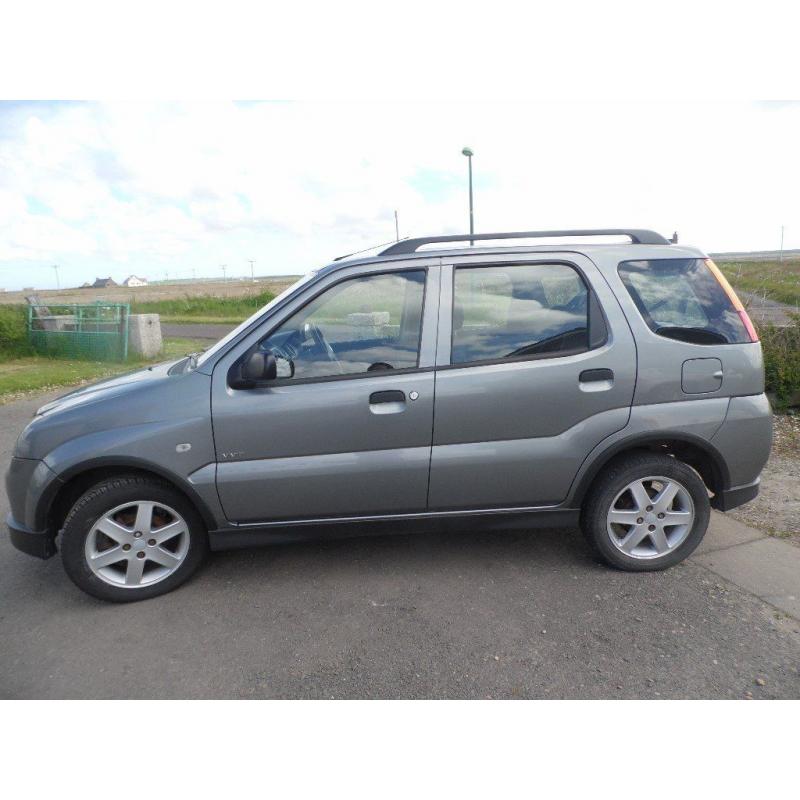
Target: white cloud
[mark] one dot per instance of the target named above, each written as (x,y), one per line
(111,187)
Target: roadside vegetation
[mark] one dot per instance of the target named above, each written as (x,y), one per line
(782,362)
(22,372)
(13,332)
(204,308)
(778,281)
(775,280)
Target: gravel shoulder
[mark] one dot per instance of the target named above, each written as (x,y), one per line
(776,510)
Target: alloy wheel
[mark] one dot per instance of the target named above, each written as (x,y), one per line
(650,517)
(137,544)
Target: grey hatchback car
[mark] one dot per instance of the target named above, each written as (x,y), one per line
(616,386)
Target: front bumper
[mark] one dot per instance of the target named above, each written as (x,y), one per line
(41,544)
(736,496)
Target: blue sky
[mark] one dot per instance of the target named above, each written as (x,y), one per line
(180,189)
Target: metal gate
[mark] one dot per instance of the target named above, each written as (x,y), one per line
(96,332)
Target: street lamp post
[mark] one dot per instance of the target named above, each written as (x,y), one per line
(468,153)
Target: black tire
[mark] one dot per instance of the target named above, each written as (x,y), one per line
(614,479)
(107,495)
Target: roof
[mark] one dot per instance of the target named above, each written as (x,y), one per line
(647,244)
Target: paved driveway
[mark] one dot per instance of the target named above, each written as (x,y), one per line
(459,615)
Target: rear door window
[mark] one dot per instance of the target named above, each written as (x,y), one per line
(518,311)
(680,298)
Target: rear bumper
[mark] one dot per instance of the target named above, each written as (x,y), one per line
(41,544)
(736,496)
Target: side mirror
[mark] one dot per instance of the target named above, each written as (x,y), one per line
(260,366)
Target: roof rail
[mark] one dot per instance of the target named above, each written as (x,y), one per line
(412,245)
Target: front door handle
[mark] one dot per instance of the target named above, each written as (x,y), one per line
(387,402)
(392,396)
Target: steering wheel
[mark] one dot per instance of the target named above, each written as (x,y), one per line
(312,331)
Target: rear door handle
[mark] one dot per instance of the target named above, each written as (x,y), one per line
(594,375)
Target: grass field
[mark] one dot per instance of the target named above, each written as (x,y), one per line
(779,281)
(36,373)
(204,308)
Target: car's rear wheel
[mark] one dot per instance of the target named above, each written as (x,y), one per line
(130,538)
(647,512)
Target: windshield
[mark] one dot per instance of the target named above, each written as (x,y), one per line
(203,357)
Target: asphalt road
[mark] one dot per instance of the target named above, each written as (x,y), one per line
(459,616)
(195,330)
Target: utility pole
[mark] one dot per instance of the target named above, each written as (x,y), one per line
(396,227)
(58,283)
(780,257)
(468,153)
(252,271)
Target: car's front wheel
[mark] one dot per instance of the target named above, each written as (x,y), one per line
(647,512)
(130,538)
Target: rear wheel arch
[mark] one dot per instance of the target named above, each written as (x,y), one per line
(698,453)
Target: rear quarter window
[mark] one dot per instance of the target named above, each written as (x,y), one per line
(679,298)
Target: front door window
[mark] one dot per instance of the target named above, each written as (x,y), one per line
(362,325)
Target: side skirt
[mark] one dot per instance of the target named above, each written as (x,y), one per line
(256,535)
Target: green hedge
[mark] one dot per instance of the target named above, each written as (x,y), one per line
(14,331)
(782,362)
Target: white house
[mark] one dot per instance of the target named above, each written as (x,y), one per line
(134,281)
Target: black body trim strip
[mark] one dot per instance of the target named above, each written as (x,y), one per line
(452,521)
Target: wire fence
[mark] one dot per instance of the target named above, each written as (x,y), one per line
(95,332)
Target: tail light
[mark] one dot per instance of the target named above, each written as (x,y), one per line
(735,301)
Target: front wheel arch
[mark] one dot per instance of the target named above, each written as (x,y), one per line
(71,486)
(172,553)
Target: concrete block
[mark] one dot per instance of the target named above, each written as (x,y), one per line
(368,318)
(144,335)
